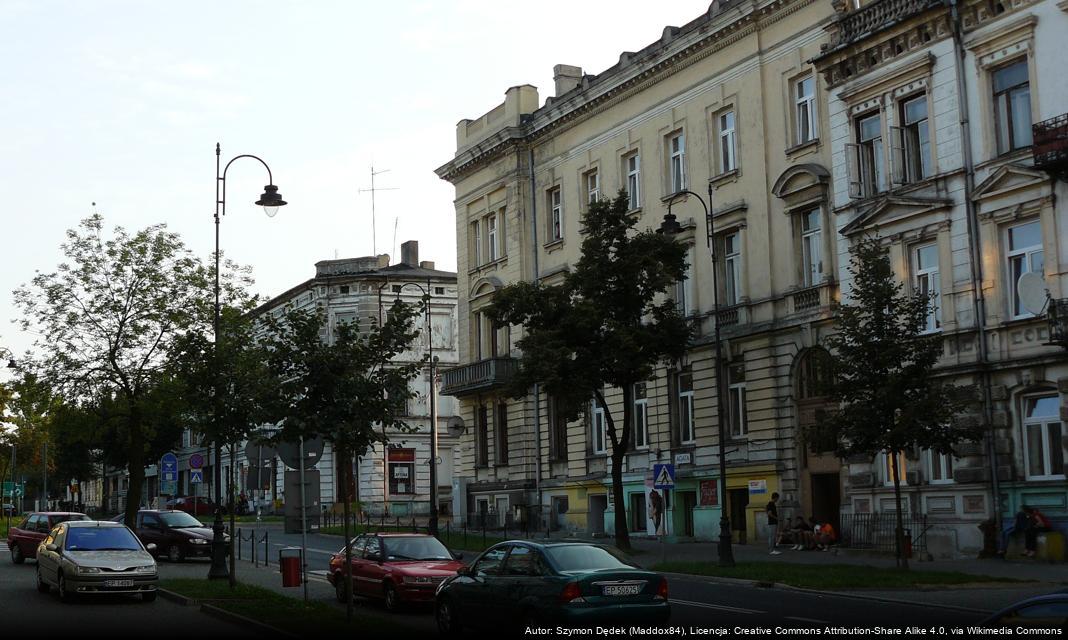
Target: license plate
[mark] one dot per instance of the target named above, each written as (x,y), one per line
(622,589)
(118,583)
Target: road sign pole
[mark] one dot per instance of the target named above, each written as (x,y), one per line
(303,525)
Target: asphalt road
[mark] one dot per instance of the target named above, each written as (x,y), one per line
(22,609)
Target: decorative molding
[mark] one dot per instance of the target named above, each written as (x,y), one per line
(921,66)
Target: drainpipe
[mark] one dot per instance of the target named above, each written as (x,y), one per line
(537,387)
(976,264)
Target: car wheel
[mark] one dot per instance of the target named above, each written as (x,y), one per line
(340,588)
(16,555)
(448,622)
(42,586)
(148,596)
(64,595)
(174,553)
(390,594)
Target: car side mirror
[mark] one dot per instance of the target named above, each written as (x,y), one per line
(51,546)
(150,547)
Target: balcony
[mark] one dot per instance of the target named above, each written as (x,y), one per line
(876,17)
(1050,145)
(478,376)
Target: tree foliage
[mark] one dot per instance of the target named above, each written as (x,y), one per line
(889,396)
(607,324)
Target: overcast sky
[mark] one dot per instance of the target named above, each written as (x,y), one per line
(121,103)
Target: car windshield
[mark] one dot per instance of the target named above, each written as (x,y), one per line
(581,557)
(101,539)
(179,520)
(414,548)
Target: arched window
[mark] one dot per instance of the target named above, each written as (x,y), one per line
(814,373)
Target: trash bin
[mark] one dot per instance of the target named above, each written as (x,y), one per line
(289,563)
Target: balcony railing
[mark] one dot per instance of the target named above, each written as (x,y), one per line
(478,376)
(728,317)
(1050,144)
(878,16)
(807,299)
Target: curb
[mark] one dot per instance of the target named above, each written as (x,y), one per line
(185,601)
(760,584)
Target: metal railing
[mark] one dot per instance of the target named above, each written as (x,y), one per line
(877,531)
(1050,142)
(878,16)
(478,375)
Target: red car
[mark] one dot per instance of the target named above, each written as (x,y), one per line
(23,539)
(193,506)
(397,567)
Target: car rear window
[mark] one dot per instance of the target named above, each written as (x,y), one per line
(581,557)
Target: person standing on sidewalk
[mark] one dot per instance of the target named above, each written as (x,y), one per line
(773,524)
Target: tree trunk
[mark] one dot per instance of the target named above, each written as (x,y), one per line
(619,451)
(899,537)
(136,469)
(346,510)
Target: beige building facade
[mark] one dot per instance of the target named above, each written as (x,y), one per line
(727,101)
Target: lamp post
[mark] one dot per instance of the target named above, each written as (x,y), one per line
(270,201)
(432,524)
(671,227)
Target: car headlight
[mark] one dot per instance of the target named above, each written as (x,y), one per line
(197,541)
(86,570)
(148,568)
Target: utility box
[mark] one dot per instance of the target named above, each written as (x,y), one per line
(293,499)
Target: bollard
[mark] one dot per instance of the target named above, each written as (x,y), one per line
(266,550)
(239,541)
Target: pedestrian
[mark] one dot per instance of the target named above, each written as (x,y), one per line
(1037,523)
(1020,525)
(798,531)
(773,524)
(656,511)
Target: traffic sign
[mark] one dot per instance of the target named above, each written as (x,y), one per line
(168,466)
(168,488)
(196,476)
(20,489)
(664,476)
(196,461)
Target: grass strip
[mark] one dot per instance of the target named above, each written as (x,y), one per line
(833,576)
(277,610)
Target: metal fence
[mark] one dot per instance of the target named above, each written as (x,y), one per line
(877,531)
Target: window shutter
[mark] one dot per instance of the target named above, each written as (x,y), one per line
(897,155)
(853,176)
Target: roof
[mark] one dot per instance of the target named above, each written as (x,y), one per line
(398,534)
(93,523)
(56,513)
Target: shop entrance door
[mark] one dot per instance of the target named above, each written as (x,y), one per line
(738,500)
(688,501)
(826,498)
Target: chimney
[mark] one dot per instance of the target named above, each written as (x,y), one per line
(410,253)
(566,78)
(427,264)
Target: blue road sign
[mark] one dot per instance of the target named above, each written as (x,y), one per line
(664,476)
(196,476)
(168,468)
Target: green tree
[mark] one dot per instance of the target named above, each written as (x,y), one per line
(108,317)
(608,323)
(890,396)
(345,388)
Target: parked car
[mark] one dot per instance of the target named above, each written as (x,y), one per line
(1047,612)
(396,567)
(573,584)
(95,557)
(195,506)
(175,534)
(9,509)
(23,538)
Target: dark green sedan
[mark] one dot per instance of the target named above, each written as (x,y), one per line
(531,584)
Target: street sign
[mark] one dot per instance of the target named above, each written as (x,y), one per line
(168,468)
(20,489)
(196,461)
(196,476)
(168,488)
(664,476)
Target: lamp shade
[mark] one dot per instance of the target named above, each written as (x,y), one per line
(271,200)
(670,225)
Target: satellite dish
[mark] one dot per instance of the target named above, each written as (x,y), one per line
(289,452)
(456,426)
(1031,287)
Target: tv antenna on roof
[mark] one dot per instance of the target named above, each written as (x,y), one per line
(373,189)
(1031,287)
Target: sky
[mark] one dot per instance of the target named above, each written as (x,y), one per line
(121,104)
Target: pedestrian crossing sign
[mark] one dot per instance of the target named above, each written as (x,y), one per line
(196,476)
(664,476)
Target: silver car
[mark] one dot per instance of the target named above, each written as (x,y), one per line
(95,557)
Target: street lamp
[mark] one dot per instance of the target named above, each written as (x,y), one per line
(11,365)
(671,227)
(270,201)
(432,525)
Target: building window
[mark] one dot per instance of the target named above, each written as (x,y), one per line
(482,437)
(476,235)
(598,429)
(641,416)
(685,408)
(1043,441)
(805,104)
(501,433)
(732,268)
(736,412)
(493,249)
(1012,106)
(728,160)
(186,438)
(556,215)
(1025,255)
(887,470)
(868,175)
(912,142)
(401,471)
(939,467)
(593,186)
(925,267)
(557,431)
(633,165)
(811,254)
(684,291)
(677,161)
